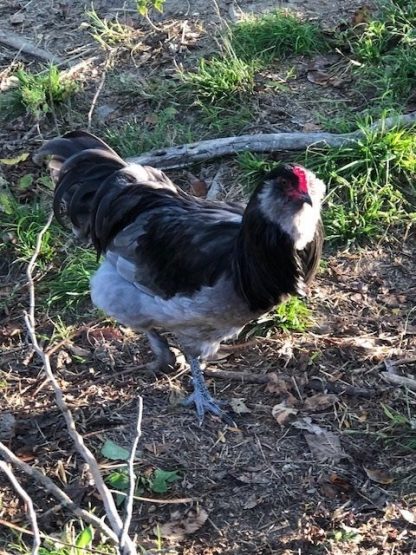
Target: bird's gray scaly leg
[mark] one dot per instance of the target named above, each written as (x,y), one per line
(201,397)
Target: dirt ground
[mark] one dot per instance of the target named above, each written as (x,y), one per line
(265,484)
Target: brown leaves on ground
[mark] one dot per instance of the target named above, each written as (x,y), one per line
(320,401)
(323,444)
(378,475)
(282,413)
(183,524)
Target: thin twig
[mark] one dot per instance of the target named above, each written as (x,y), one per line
(177,501)
(97,93)
(108,501)
(30,511)
(132,476)
(54,490)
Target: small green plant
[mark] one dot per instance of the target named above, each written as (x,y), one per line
(70,285)
(38,93)
(160,481)
(164,130)
(275,35)
(221,79)
(401,428)
(143,6)
(291,315)
(110,33)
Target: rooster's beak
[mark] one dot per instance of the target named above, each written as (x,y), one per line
(305,198)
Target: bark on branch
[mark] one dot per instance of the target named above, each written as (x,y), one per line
(191,153)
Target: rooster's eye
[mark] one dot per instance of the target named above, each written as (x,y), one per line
(285,184)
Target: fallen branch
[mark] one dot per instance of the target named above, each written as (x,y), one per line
(132,477)
(317,384)
(54,490)
(108,501)
(184,155)
(396,379)
(30,511)
(17,42)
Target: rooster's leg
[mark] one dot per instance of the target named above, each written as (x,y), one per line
(201,397)
(165,359)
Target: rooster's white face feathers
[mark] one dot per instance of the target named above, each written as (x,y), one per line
(297,212)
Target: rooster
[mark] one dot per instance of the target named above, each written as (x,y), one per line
(201,269)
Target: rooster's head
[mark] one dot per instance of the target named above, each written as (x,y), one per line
(291,197)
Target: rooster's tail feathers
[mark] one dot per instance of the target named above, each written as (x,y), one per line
(80,164)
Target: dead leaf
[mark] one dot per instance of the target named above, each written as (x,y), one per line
(277,384)
(199,187)
(318,77)
(151,119)
(310,127)
(320,401)
(362,15)
(325,447)
(182,525)
(307,424)
(250,478)
(281,413)
(62,359)
(17,18)
(238,405)
(252,501)
(15,160)
(409,515)
(379,476)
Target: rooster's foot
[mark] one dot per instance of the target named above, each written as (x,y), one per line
(201,397)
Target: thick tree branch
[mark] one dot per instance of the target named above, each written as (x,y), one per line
(184,155)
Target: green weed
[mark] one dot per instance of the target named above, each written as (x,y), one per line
(110,34)
(222,79)
(143,6)
(37,93)
(275,35)
(21,223)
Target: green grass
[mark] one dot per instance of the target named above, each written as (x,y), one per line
(274,36)
(37,93)
(370,184)
(252,168)
(70,284)
(140,136)
(22,224)
(384,54)
(66,280)
(223,78)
